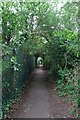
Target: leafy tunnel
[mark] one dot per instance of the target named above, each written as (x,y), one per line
(49,30)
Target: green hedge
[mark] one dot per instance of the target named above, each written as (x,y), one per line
(13,81)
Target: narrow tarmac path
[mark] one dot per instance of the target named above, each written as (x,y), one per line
(37,102)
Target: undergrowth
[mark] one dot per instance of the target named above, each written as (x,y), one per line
(67,85)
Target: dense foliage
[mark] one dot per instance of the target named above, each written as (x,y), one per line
(45,29)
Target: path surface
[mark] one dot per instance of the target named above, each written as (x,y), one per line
(38,101)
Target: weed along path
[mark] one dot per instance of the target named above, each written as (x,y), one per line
(37,101)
